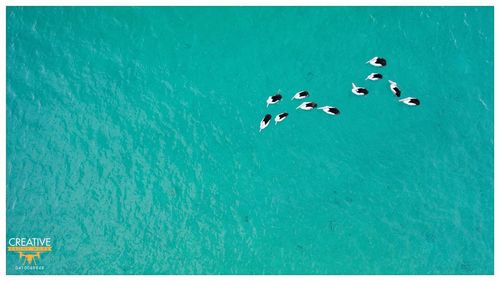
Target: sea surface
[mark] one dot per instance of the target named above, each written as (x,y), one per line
(133,140)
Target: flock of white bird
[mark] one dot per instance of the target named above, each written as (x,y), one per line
(359,91)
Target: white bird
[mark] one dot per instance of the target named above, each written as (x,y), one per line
(273,99)
(307,105)
(410,101)
(359,91)
(280,117)
(377,61)
(265,122)
(300,95)
(394,88)
(374,76)
(330,110)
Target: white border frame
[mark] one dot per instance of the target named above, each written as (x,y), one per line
(3,133)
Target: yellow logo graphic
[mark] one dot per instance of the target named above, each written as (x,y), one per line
(30,251)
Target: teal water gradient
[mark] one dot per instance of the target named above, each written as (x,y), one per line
(133,141)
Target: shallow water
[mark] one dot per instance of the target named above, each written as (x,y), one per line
(133,140)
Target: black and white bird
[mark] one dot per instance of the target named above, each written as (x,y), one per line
(374,76)
(330,110)
(300,95)
(273,99)
(394,88)
(359,91)
(307,105)
(410,101)
(280,117)
(377,61)
(265,122)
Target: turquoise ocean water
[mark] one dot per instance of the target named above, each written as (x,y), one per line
(133,140)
